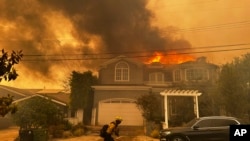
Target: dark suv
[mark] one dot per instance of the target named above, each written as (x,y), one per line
(212,128)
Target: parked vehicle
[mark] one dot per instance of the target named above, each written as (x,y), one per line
(212,128)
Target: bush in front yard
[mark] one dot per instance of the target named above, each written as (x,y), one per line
(78,132)
(67,134)
(56,131)
(78,129)
(155,133)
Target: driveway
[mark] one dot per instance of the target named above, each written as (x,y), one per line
(97,138)
(11,134)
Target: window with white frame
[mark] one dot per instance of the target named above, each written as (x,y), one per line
(156,77)
(196,74)
(122,71)
(177,75)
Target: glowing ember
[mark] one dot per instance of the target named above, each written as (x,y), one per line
(170,58)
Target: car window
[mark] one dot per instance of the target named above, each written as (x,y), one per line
(223,122)
(211,123)
(204,123)
(191,123)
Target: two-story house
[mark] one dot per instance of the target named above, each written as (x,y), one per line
(123,80)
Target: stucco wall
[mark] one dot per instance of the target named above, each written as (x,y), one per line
(107,74)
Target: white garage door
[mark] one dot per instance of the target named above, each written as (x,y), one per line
(126,108)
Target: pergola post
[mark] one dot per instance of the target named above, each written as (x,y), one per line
(196,106)
(193,93)
(166,110)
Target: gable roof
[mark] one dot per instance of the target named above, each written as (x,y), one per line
(119,58)
(15,92)
(43,96)
(56,95)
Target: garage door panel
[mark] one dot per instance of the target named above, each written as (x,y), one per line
(128,111)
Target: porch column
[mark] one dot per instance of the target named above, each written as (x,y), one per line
(196,106)
(166,110)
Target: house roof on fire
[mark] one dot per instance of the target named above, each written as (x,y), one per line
(199,61)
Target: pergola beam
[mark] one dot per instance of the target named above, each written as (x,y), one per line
(193,93)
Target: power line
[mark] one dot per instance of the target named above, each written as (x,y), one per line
(212,27)
(218,26)
(139,56)
(136,52)
(186,4)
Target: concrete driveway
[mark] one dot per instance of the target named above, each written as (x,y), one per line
(11,134)
(97,138)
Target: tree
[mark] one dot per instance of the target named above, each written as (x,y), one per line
(37,112)
(8,73)
(6,105)
(81,96)
(149,105)
(233,87)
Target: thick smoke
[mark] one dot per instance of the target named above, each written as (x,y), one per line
(122,24)
(113,26)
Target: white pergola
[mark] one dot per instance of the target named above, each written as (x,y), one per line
(193,93)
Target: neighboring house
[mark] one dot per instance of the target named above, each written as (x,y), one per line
(17,94)
(123,80)
(62,98)
(58,96)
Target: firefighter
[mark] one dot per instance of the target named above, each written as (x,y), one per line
(113,128)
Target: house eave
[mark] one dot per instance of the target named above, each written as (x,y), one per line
(53,100)
(121,87)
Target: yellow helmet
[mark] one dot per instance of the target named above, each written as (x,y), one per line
(118,118)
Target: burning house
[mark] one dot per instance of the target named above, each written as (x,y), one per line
(122,80)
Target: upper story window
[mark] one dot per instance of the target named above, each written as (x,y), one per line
(122,71)
(196,74)
(156,77)
(177,75)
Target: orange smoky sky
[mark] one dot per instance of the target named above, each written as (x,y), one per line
(61,36)
(217,29)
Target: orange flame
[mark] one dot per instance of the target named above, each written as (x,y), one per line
(157,57)
(170,58)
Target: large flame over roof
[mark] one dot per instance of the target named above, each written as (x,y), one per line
(170,58)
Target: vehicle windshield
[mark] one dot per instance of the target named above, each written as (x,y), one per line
(190,123)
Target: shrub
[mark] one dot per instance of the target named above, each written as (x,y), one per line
(78,132)
(155,133)
(67,134)
(57,130)
(67,125)
(77,126)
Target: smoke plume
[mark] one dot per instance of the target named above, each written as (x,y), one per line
(55,35)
